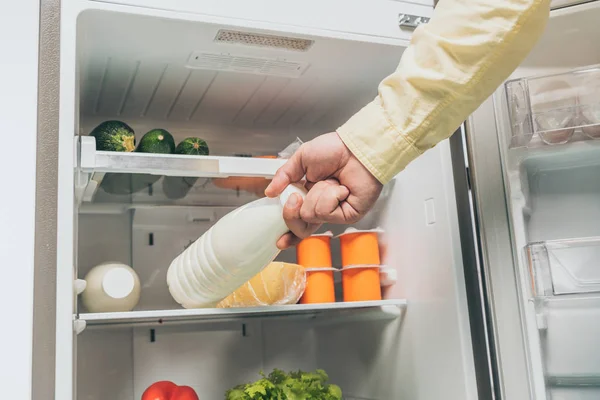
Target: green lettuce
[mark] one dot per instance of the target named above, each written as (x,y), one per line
(296,385)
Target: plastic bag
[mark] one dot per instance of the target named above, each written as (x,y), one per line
(291,149)
(278,284)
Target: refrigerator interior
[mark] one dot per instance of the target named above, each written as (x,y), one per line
(248,100)
(547,124)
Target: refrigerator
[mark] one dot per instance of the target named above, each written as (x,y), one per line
(490,239)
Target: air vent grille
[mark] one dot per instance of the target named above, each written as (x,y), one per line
(254,39)
(250,65)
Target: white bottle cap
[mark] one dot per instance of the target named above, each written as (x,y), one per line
(288,191)
(118,283)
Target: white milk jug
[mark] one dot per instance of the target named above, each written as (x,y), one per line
(111,287)
(231,252)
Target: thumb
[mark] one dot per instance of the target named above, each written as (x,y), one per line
(291,172)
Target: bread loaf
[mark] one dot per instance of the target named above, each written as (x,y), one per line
(279,283)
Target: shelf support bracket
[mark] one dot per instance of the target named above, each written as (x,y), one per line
(79,326)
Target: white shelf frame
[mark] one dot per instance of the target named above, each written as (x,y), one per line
(93,165)
(326,312)
(92,161)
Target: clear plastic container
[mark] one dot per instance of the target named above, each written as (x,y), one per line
(560,267)
(555,109)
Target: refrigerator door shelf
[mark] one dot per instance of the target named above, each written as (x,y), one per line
(570,340)
(554,109)
(560,267)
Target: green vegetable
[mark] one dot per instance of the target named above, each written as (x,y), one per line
(192,146)
(157,141)
(293,386)
(114,136)
(176,187)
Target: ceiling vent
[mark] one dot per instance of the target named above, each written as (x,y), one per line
(255,39)
(249,65)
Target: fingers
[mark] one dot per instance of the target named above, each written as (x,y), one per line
(291,172)
(325,202)
(299,228)
(288,240)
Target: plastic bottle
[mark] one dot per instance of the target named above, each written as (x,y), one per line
(230,253)
(111,287)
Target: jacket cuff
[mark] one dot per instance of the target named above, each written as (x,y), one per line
(376,143)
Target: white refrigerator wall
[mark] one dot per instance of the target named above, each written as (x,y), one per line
(375,18)
(433,341)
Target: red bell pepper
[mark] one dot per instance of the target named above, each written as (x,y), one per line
(165,390)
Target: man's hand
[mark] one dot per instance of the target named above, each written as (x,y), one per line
(341,189)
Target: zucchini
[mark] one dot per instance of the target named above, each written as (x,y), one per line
(114,136)
(192,146)
(177,187)
(157,141)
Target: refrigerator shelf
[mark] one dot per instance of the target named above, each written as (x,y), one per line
(320,313)
(141,177)
(92,161)
(562,267)
(554,109)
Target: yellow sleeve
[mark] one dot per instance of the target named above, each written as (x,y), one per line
(452,65)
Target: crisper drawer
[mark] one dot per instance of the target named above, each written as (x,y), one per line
(375,18)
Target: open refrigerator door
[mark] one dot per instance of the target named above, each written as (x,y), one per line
(534,159)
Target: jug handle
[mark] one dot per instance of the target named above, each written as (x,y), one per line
(289,190)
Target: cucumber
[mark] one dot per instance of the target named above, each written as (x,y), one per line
(127,184)
(114,136)
(157,141)
(177,187)
(192,146)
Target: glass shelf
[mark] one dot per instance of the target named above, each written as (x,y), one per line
(554,109)
(320,313)
(92,161)
(167,179)
(200,192)
(560,267)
